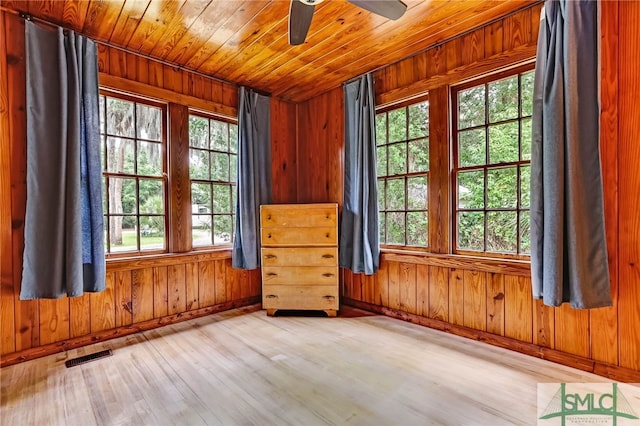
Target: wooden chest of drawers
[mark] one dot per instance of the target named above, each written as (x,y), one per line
(299,257)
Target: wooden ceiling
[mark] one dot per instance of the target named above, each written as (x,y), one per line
(246,42)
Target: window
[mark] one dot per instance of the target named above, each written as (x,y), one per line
(212,167)
(492,152)
(132,134)
(402,138)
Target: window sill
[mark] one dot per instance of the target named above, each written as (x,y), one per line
(136,260)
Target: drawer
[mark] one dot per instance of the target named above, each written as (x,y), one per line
(299,256)
(300,297)
(308,275)
(301,237)
(299,215)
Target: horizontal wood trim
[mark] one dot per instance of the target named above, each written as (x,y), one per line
(165,259)
(613,372)
(137,88)
(517,56)
(252,304)
(480,264)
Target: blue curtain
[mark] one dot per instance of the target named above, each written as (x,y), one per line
(64,249)
(568,245)
(254,175)
(359,238)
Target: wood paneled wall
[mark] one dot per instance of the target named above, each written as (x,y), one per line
(490,300)
(141,292)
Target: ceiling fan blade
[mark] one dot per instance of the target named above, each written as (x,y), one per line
(392,9)
(300,15)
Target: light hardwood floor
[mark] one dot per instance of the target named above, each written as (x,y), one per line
(242,367)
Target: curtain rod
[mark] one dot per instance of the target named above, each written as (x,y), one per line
(29,17)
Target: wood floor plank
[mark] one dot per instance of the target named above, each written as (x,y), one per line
(243,367)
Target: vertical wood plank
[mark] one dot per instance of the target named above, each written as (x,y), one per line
(493,36)
(176,288)
(572,330)
(408,287)
(123,298)
(118,63)
(423,283)
(142,294)
(518,308)
(439,204)
(102,305)
(207,283)
(453,49)
(517,29)
(394,285)
(356,289)
(244,284)
(142,70)
(156,74)
(179,179)
(103,58)
(382,283)
(348,283)
(192,286)
(160,292)
(475,300)
(438,293)
(80,315)
(232,284)
(172,78)
(543,324)
(473,46)
(54,320)
(283,151)
(495,303)
(456,297)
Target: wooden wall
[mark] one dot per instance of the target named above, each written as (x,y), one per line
(141,292)
(486,299)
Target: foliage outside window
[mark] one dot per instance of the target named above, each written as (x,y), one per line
(212,168)
(402,139)
(132,140)
(492,152)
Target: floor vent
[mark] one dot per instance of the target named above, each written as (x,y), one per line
(87,358)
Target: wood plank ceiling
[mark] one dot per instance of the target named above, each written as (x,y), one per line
(245,42)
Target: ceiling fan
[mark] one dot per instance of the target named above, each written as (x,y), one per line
(301,12)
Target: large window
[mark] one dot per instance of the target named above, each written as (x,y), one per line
(212,167)
(492,152)
(132,135)
(402,138)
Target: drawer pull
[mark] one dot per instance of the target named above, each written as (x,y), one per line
(268,235)
(327,274)
(268,217)
(327,256)
(271,296)
(327,297)
(271,274)
(270,256)
(328,235)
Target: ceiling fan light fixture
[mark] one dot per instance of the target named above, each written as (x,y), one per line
(311,2)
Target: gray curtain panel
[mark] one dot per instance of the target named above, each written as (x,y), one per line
(359,238)
(254,175)
(568,245)
(64,249)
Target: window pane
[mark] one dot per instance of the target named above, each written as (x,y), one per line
(233,168)
(151,232)
(122,196)
(502,232)
(201,230)
(397,125)
(503,99)
(417,193)
(381,159)
(381,129)
(149,121)
(395,228)
(418,120)
(198,132)
(120,120)
(381,194)
(472,148)
(219,135)
(419,155)
(471,107)
(525,232)
(503,143)
(198,164)
(149,159)
(233,138)
(200,198)
(526,139)
(525,186)
(151,196)
(382,227)
(122,233)
(395,194)
(417,230)
(222,199)
(397,159)
(471,190)
(502,188)
(471,231)
(526,83)
(222,230)
(219,166)
(120,155)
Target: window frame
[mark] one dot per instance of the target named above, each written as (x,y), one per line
(405,103)
(163,106)
(485,80)
(233,184)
